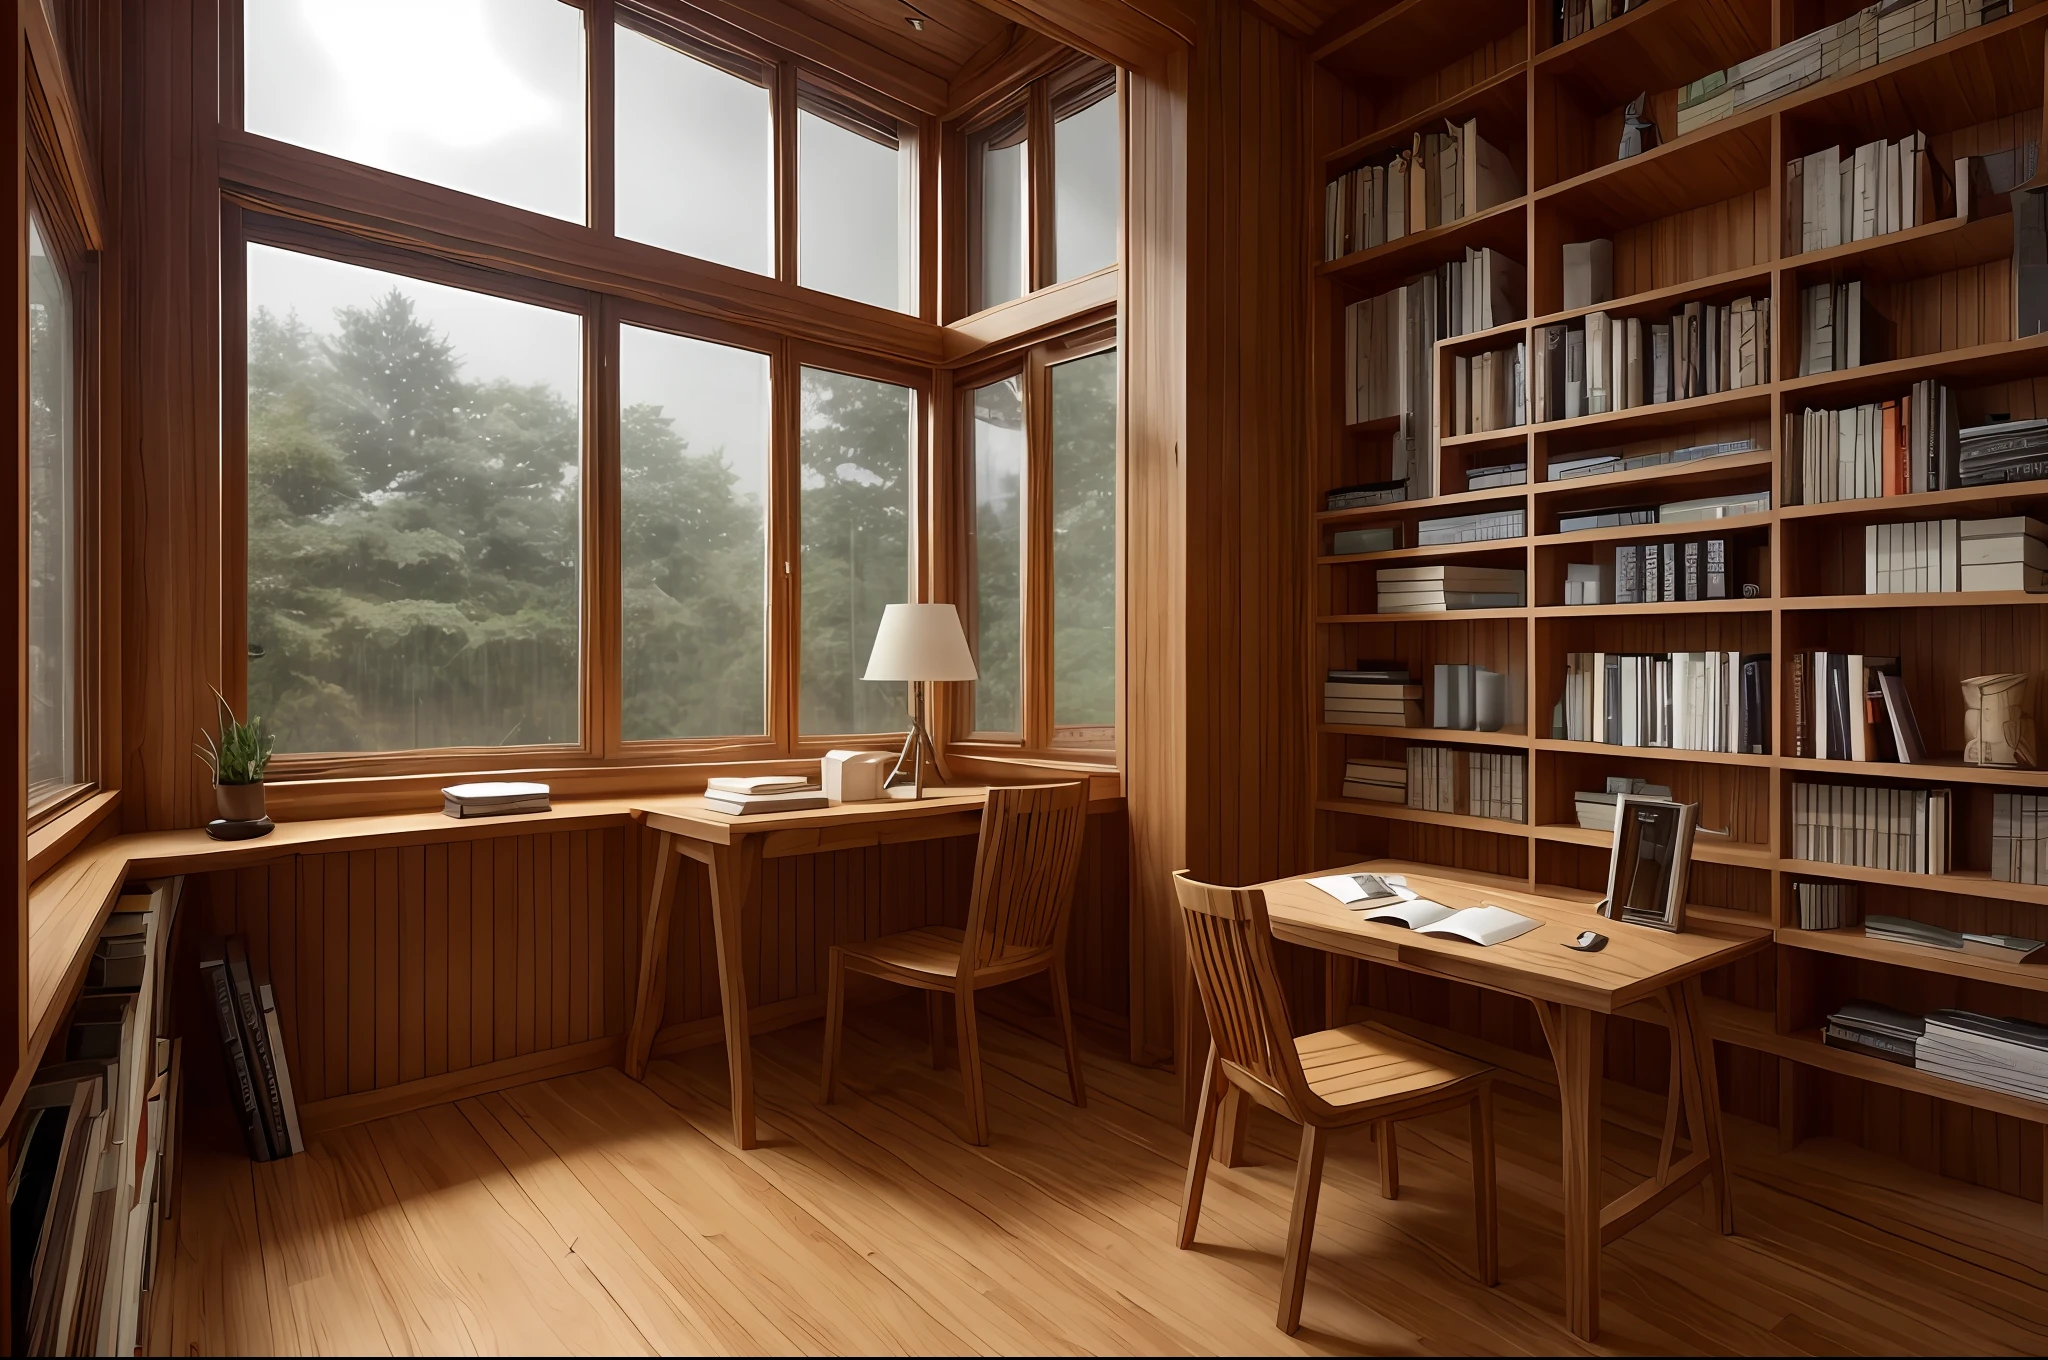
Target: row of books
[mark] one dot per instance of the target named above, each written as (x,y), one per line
(1682,701)
(96,1152)
(1436,587)
(1840,327)
(1612,363)
(1472,783)
(1442,177)
(1469,698)
(1875,34)
(1901,830)
(1665,573)
(1390,357)
(2019,837)
(1489,391)
(1516,473)
(1481,526)
(1595,808)
(1879,448)
(1936,556)
(1825,906)
(1729,506)
(1834,197)
(1849,706)
(2005,1055)
(1602,462)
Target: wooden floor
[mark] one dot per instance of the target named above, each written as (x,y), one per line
(592,1214)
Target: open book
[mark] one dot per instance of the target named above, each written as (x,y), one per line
(1350,888)
(1485,925)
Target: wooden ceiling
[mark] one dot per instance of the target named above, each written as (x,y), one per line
(954,30)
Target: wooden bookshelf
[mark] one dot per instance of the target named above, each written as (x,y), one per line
(1698,218)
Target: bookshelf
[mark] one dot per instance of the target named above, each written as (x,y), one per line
(1697,218)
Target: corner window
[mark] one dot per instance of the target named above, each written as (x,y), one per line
(53,674)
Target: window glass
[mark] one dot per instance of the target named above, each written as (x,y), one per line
(696,156)
(693,453)
(1000,164)
(855,451)
(414,532)
(52,555)
(484,96)
(998,555)
(855,202)
(1084,548)
(1086,175)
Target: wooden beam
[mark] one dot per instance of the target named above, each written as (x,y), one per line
(1120,31)
(1023,320)
(819,43)
(76,165)
(1015,56)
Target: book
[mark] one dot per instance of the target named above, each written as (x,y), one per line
(242,1091)
(493,799)
(1482,925)
(803,799)
(255,1036)
(1354,888)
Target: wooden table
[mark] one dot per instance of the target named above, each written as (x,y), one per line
(1573,993)
(732,848)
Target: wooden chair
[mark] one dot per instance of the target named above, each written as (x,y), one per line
(1024,870)
(1339,1078)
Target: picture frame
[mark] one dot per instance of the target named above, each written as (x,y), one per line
(1650,861)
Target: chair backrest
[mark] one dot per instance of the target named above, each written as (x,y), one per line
(1230,947)
(1024,871)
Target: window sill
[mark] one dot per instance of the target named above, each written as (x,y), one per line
(63,833)
(1009,763)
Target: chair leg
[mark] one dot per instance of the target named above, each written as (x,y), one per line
(1198,1155)
(835,1019)
(1301,1228)
(1072,1036)
(935,1024)
(1390,1159)
(1485,1195)
(970,1070)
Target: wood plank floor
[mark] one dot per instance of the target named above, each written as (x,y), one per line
(590,1214)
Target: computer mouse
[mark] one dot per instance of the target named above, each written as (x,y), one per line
(1589,941)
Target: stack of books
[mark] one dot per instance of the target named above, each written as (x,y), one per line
(1437,587)
(1839,328)
(1876,1031)
(1390,354)
(1503,474)
(1484,526)
(1999,1055)
(1611,363)
(1441,178)
(1595,808)
(2010,553)
(1919,558)
(744,795)
(252,1050)
(493,800)
(1379,538)
(1601,463)
(1473,783)
(1849,706)
(1684,701)
(1487,390)
(1900,930)
(1391,702)
(2019,837)
(1364,495)
(1878,33)
(1833,198)
(1652,573)
(2002,451)
(1376,781)
(1887,448)
(1906,831)
(1825,906)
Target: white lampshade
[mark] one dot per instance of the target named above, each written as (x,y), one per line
(920,642)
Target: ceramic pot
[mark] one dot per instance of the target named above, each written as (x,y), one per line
(239,802)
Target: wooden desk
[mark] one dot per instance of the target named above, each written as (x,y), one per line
(732,848)
(1573,993)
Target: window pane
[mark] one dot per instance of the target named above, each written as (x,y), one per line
(998,554)
(52,560)
(1086,188)
(855,179)
(484,96)
(696,154)
(693,452)
(414,456)
(1084,542)
(999,159)
(856,453)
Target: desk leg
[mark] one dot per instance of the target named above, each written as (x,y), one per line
(652,994)
(1575,1045)
(1707,1082)
(732,877)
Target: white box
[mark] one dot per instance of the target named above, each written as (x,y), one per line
(855,776)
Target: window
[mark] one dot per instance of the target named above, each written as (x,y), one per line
(1087,194)
(856,449)
(1041,534)
(997,535)
(693,450)
(484,96)
(52,517)
(999,211)
(696,151)
(414,533)
(856,199)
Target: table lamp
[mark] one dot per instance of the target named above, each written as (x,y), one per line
(919,643)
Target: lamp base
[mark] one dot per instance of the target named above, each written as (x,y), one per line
(917,744)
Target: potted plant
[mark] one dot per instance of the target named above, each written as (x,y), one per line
(237,761)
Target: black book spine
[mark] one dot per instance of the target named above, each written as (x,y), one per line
(236,1061)
(1838,707)
(262,1064)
